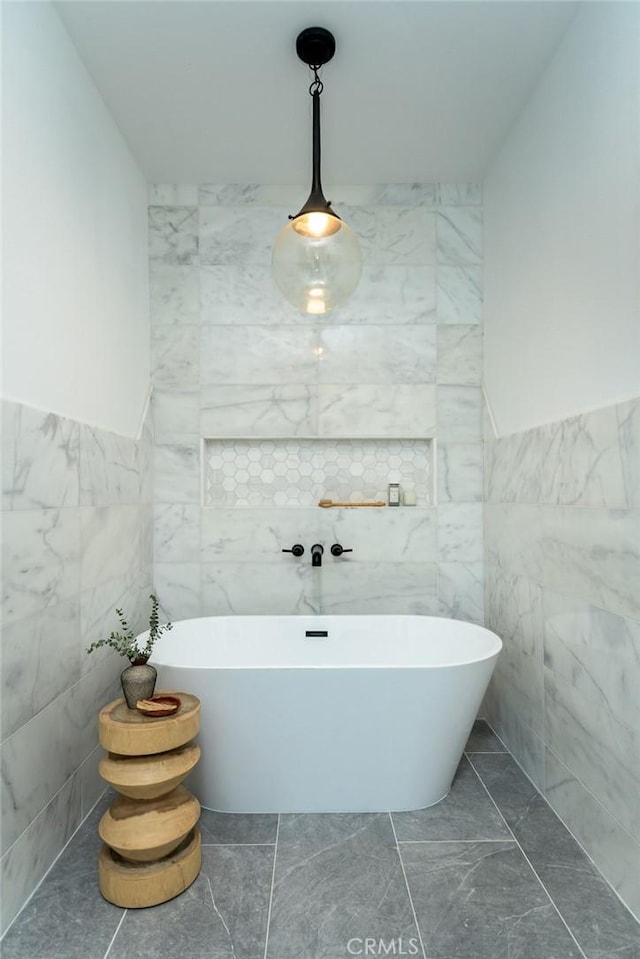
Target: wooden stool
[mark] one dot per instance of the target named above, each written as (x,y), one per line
(152,843)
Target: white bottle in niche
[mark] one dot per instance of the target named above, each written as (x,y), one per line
(394,494)
(409,497)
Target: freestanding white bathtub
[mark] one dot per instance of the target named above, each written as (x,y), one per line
(328,713)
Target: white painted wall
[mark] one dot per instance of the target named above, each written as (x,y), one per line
(562,214)
(75,304)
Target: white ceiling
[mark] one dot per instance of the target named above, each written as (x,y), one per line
(214,92)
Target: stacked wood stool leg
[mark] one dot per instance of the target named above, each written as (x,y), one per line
(151,849)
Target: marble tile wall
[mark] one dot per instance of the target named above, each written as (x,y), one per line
(562,535)
(76,543)
(401,359)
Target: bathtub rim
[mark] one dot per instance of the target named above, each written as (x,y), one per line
(494,653)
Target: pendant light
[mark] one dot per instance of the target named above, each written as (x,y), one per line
(316,258)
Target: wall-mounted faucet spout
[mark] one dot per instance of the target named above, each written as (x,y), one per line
(316,554)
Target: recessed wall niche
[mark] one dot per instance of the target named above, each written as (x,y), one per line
(300,472)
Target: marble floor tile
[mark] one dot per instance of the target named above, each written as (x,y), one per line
(222,828)
(223,915)
(597,918)
(482,899)
(337,877)
(483,739)
(67,918)
(466,813)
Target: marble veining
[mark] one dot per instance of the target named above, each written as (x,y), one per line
(40,459)
(76,543)
(562,533)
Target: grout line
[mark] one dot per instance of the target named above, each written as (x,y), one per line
(58,855)
(406,882)
(485,752)
(531,866)
(559,817)
(273,877)
(418,842)
(233,844)
(113,938)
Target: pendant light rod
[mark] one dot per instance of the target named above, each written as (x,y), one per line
(315,46)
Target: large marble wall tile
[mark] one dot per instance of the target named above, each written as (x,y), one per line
(460,355)
(250,588)
(41,756)
(174,357)
(176,531)
(515,610)
(461,591)
(239,234)
(174,294)
(596,652)
(582,461)
(614,851)
(594,556)
(40,660)
(175,413)
(177,587)
(172,194)
(628,415)
(377,354)
(501,706)
(233,294)
(81,704)
(27,861)
(514,540)
(600,751)
(92,785)
(98,605)
(459,194)
(110,468)
(390,235)
(390,295)
(258,535)
(459,471)
(248,410)
(40,459)
(405,194)
(459,234)
(513,468)
(521,673)
(358,588)
(249,194)
(459,414)
(244,354)
(459,295)
(176,470)
(173,235)
(380,411)
(40,559)
(460,532)
(379,535)
(111,543)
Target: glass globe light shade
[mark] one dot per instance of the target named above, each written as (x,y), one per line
(316,262)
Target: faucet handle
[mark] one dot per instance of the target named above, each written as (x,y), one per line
(338,550)
(297,549)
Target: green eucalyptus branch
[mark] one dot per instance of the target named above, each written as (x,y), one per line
(125,643)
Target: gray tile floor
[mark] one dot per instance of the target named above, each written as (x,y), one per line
(489,873)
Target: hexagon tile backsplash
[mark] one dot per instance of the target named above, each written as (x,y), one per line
(300,473)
